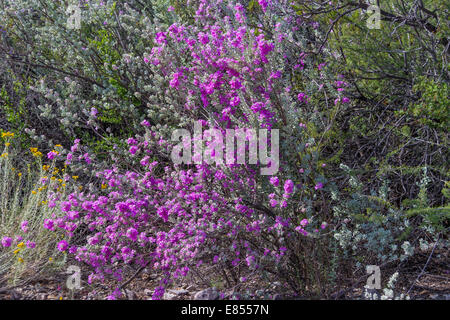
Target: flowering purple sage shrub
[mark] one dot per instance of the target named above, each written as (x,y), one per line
(229,75)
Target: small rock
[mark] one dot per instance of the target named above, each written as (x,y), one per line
(276,284)
(169,296)
(178,292)
(130,294)
(207,294)
(148,292)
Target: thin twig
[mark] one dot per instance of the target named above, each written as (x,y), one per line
(425,266)
(122,286)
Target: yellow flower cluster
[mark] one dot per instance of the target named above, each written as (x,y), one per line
(7,134)
(36,152)
(20,246)
(55,177)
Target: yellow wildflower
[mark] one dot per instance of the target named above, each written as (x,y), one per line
(20,260)
(20,245)
(7,134)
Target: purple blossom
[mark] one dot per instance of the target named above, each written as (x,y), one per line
(145,123)
(288,186)
(24,226)
(94,112)
(132,234)
(274,181)
(51,155)
(302,97)
(65,206)
(318,186)
(273,203)
(49,224)
(63,245)
(31,244)
(133,149)
(6,241)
